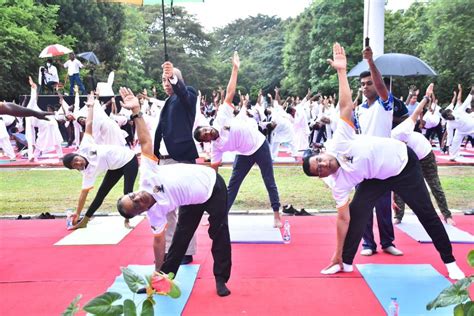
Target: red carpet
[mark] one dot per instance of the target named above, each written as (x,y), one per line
(38,278)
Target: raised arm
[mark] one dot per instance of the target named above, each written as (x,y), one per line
(459,101)
(173,75)
(231,86)
(380,87)
(339,63)
(90,113)
(453,100)
(426,99)
(130,101)
(277,95)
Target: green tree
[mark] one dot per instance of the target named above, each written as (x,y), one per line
(134,44)
(189,48)
(449,48)
(259,41)
(96,27)
(26,29)
(309,43)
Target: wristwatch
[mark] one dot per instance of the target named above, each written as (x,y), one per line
(134,116)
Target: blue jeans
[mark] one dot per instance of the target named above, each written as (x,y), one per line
(242,166)
(383,210)
(76,79)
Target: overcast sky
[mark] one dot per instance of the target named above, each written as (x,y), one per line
(218,13)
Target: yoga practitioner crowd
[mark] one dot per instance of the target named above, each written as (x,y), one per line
(376,147)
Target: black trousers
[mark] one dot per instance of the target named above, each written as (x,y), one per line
(188,221)
(437,130)
(410,185)
(129,173)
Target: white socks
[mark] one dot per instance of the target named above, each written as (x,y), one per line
(454,272)
(347,267)
(337,268)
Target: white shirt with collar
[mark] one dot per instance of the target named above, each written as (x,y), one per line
(376,119)
(173,186)
(404,132)
(101,158)
(239,134)
(73,66)
(361,157)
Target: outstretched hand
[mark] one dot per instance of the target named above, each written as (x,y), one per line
(90,99)
(236,60)
(32,83)
(339,61)
(429,90)
(129,100)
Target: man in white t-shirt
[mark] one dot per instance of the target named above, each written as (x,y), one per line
(73,66)
(193,188)
(93,159)
(459,124)
(240,134)
(376,165)
(375,119)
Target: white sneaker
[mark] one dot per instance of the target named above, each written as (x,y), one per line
(393,251)
(337,268)
(366,252)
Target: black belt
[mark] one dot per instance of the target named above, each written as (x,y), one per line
(165,157)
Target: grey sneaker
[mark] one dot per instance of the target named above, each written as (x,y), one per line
(393,251)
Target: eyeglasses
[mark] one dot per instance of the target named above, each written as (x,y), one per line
(366,83)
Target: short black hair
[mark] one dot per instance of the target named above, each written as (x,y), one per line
(445,113)
(197,133)
(67,160)
(306,165)
(121,210)
(49,60)
(364,74)
(236,99)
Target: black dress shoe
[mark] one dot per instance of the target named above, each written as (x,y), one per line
(289,209)
(187,259)
(303,212)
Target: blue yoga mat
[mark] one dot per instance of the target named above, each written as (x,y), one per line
(412,226)
(414,286)
(164,305)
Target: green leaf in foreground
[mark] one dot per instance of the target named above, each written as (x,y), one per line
(133,280)
(73,308)
(129,308)
(147,308)
(175,292)
(470,258)
(102,304)
(455,294)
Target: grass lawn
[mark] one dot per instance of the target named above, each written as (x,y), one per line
(37,191)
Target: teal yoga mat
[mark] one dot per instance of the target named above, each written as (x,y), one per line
(164,305)
(414,285)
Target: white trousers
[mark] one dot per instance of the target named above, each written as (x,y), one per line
(7,147)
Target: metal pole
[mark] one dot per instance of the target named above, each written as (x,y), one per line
(164,29)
